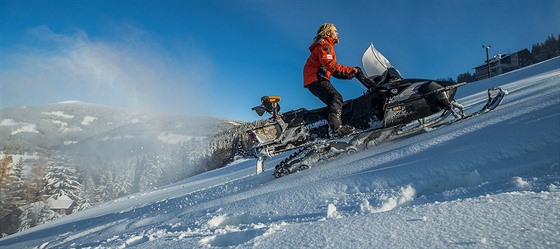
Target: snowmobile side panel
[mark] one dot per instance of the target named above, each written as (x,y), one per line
(268,133)
(407,112)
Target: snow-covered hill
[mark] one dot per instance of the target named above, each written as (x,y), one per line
(109,152)
(487,182)
(71,125)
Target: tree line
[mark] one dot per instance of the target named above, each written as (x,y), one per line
(27,185)
(28,190)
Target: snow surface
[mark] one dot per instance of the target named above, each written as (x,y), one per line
(59,114)
(491,181)
(88,120)
(20,126)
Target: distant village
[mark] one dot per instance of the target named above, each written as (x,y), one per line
(503,63)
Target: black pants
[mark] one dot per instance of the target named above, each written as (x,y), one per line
(326,92)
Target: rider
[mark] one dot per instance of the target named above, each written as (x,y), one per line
(317,71)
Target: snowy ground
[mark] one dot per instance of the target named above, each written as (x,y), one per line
(488,182)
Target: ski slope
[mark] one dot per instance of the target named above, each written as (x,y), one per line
(491,181)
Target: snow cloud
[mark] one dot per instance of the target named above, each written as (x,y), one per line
(129,69)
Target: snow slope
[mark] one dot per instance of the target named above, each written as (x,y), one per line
(487,182)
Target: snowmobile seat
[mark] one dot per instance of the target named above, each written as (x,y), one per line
(295,117)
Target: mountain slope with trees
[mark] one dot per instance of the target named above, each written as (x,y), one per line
(92,154)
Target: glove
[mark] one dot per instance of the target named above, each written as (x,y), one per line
(358,70)
(358,73)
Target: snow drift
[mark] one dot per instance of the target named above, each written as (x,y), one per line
(487,182)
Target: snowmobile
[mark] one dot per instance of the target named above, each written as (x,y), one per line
(390,107)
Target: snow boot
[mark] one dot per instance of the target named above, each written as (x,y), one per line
(343,130)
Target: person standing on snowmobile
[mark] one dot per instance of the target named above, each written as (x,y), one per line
(319,68)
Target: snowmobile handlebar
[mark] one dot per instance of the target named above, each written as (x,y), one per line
(391,74)
(367,82)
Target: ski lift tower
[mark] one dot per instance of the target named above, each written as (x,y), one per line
(487,58)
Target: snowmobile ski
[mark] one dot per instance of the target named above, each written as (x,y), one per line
(495,97)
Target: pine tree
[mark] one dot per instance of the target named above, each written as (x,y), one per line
(90,190)
(30,215)
(551,47)
(36,180)
(124,181)
(536,52)
(17,185)
(140,168)
(151,176)
(63,180)
(5,168)
(106,189)
(47,214)
(466,77)
(12,189)
(6,172)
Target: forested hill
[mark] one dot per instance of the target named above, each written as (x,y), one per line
(94,153)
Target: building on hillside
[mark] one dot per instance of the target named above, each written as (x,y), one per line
(62,204)
(503,63)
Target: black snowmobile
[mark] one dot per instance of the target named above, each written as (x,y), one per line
(390,107)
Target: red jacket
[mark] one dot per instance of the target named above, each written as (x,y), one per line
(321,64)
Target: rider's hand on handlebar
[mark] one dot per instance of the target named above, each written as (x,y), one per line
(358,72)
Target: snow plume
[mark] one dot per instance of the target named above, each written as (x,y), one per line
(129,69)
(389,201)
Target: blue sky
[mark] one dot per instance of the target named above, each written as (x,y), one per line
(218,57)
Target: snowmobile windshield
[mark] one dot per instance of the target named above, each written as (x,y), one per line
(374,63)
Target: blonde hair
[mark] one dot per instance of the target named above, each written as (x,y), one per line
(322,31)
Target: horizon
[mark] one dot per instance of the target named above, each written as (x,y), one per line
(217,58)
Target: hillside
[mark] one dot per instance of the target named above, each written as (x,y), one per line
(107,152)
(488,182)
(72,125)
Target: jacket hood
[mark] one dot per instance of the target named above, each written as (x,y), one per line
(319,42)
